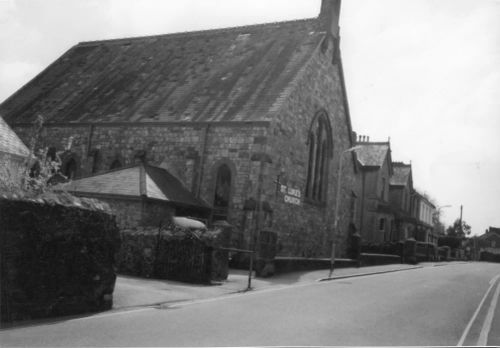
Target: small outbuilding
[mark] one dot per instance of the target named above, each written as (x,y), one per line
(140,195)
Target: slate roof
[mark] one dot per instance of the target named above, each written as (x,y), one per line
(234,74)
(10,142)
(401,174)
(372,154)
(135,182)
(494,230)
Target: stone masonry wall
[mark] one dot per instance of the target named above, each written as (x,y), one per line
(193,152)
(306,230)
(186,151)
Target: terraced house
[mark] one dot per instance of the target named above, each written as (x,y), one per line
(376,214)
(251,120)
(401,194)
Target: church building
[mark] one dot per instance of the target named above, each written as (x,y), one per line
(251,120)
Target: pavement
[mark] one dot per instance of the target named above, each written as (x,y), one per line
(131,292)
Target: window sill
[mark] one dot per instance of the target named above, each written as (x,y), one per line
(315,203)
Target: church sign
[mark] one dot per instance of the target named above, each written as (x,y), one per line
(291,195)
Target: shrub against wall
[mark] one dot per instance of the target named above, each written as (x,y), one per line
(489,257)
(57,256)
(388,248)
(175,253)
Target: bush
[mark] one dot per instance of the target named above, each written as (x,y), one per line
(489,257)
(452,242)
(57,256)
(35,175)
(175,253)
(389,248)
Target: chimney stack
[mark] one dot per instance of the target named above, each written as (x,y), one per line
(329,16)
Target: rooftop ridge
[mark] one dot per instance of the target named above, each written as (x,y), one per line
(373,143)
(197,32)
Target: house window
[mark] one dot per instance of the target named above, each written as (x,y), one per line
(381,224)
(222,193)
(382,192)
(319,140)
(353,207)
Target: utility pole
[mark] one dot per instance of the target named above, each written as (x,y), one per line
(461,228)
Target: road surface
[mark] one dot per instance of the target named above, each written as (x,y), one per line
(449,305)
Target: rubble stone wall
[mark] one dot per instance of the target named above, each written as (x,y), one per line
(194,151)
(306,230)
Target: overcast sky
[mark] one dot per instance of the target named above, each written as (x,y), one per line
(425,73)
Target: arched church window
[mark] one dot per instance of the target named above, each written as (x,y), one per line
(222,192)
(320,148)
(70,168)
(96,160)
(51,154)
(35,170)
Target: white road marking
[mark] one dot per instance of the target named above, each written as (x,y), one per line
(485,330)
(469,325)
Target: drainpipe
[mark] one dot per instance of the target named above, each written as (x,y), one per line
(263,158)
(363,185)
(89,149)
(202,160)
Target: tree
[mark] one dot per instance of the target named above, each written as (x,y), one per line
(439,226)
(33,176)
(456,230)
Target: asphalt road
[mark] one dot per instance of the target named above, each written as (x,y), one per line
(450,305)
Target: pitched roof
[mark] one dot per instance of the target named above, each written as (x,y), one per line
(422,197)
(494,230)
(234,74)
(372,154)
(10,142)
(134,182)
(401,174)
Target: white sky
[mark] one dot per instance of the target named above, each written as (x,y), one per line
(425,73)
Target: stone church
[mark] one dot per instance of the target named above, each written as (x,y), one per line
(252,120)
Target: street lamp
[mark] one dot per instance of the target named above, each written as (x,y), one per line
(336,212)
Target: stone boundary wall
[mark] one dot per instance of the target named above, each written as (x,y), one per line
(57,256)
